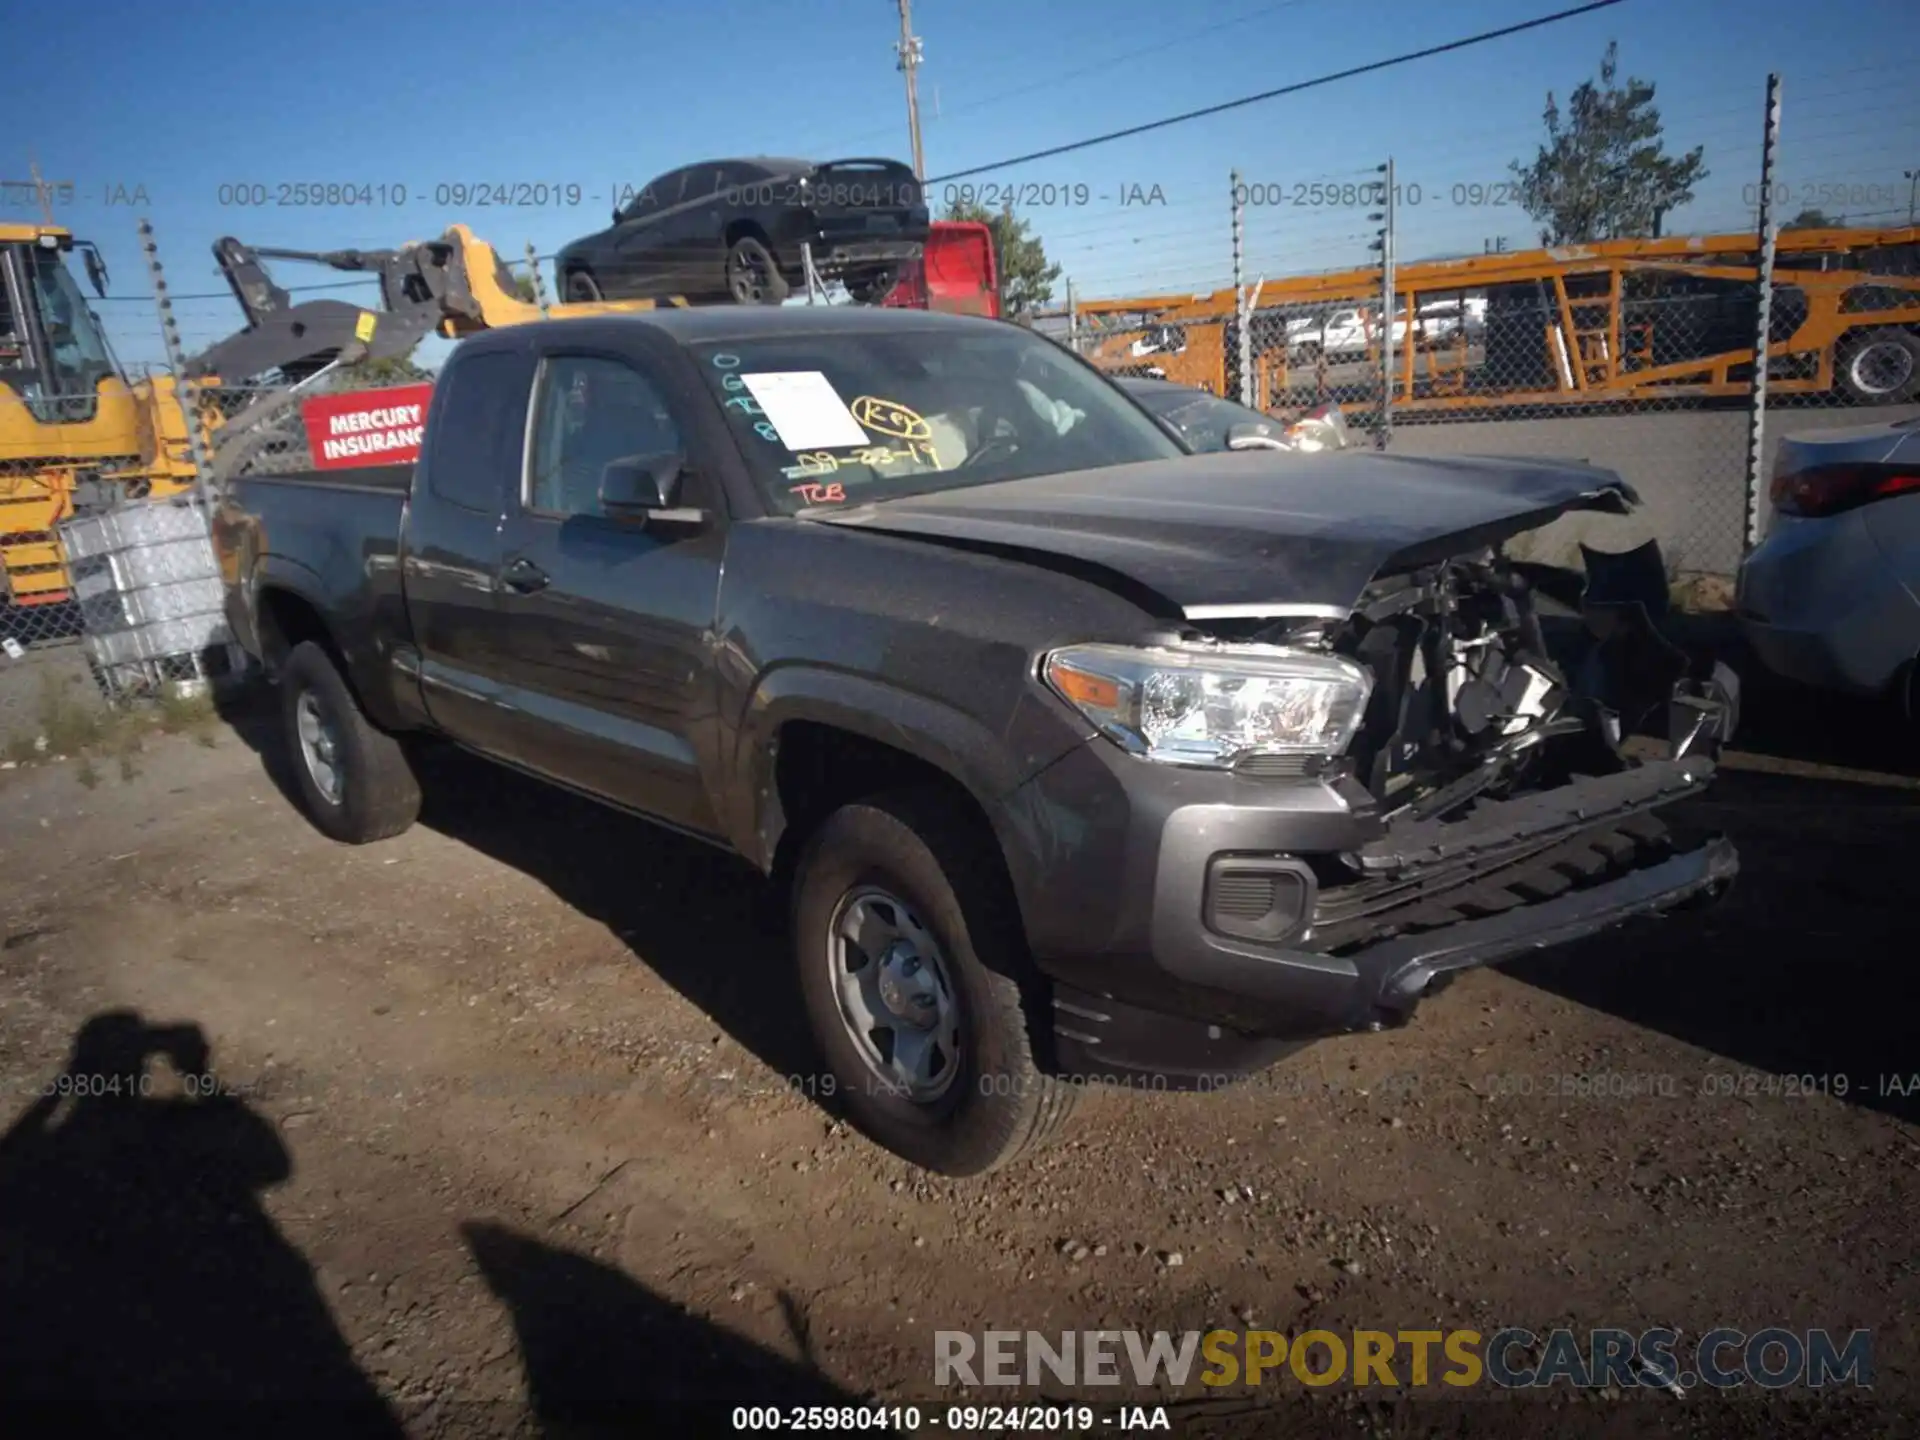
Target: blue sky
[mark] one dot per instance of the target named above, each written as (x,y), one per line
(193,95)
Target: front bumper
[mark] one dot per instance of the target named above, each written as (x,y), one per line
(1152,979)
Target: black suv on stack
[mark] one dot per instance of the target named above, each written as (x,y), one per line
(735,230)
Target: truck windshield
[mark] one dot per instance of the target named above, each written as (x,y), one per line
(77,352)
(857,417)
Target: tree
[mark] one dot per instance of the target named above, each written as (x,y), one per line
(1026,279)
(1813,220)
(1604,173)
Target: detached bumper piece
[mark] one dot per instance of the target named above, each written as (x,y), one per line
(1504,855)
(1513,876)
(1433,897)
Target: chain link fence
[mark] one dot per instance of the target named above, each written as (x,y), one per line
(1636,354)
(110,589)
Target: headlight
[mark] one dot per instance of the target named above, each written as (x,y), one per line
(1213,707)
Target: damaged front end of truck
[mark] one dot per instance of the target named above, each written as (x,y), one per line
(1525,724)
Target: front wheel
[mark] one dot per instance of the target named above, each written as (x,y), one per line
(910,953)
(582,288)
(355,780)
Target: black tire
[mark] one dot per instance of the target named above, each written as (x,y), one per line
(753,275)
(912,845)
(864,287)
(1880,367)
(582,288)
(376,793)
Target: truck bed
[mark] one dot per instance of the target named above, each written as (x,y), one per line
(332,538)
(366,477)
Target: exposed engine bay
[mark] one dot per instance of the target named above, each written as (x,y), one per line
(1495,740)
(1494,676)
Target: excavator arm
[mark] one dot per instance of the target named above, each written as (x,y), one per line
(453,286)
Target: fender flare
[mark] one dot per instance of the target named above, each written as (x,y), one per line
(930,730)
(303,582)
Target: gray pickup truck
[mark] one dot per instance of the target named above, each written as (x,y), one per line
(1081,757)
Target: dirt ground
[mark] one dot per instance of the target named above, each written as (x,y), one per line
(513,1132)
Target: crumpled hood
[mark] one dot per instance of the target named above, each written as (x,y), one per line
(1256,532)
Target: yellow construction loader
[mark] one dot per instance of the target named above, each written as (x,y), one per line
(78,436)
(75,434)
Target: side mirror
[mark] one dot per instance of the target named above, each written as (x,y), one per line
(616,215)
(643,488)
(1253,437)
(96,271)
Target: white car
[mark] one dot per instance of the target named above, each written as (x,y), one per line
(1831,598)
(1343,333)
(1444,319)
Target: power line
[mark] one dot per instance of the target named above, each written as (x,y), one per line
(1292,89)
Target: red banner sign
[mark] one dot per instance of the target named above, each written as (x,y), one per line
(366,427)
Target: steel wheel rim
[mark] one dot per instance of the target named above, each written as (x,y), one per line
(580,288)
(894,994)
(1882,367)
(319,747)
(745,278)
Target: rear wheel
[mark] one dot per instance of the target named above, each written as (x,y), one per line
(753,276)
(582,288)
(355,780)
(910,949)
(1881,367)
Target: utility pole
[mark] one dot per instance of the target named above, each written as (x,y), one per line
(1912,177)
(911,53)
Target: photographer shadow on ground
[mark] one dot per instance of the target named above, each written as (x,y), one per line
(606,1356)
(143,1288)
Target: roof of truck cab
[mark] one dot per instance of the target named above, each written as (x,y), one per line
(702,324)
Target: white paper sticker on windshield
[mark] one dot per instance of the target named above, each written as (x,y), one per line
(805,410)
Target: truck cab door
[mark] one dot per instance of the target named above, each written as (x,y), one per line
(470,464)
(608,623)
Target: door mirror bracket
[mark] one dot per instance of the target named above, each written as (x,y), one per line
(643,489)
